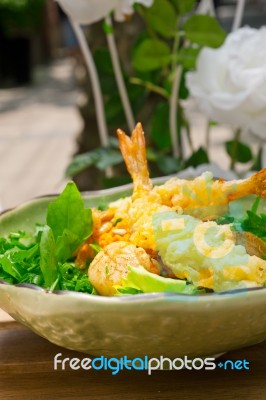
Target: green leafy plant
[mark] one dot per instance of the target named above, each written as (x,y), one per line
(163,52)
(20,15)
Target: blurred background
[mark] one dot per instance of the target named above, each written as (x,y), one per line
(46,107)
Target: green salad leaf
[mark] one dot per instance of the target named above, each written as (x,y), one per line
(48,261)
(251,221)
(9,265)
(19,260)
(45,257)
(139,280)
(72,278)
(70,221)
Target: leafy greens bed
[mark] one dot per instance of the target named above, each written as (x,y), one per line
(46,257)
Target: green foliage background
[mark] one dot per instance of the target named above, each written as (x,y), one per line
(20,15)
(172,37)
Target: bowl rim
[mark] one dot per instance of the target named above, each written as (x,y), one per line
(229,294)
(126,298)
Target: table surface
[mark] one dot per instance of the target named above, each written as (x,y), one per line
(26,372)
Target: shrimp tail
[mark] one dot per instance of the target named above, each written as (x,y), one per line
(259,183)
(255,184)
(134,153)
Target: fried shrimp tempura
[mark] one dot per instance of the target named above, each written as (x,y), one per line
(204,191)
(128,221)
(176,194)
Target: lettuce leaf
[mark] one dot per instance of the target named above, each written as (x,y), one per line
(48,261)
(140,280)
(70,221)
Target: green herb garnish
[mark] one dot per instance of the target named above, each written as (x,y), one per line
(252,221)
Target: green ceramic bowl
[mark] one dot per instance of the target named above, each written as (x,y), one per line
(150,324)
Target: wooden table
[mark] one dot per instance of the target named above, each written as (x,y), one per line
(26,372)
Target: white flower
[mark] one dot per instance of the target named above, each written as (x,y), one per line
(229,83)
(126,8)
(88,11)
